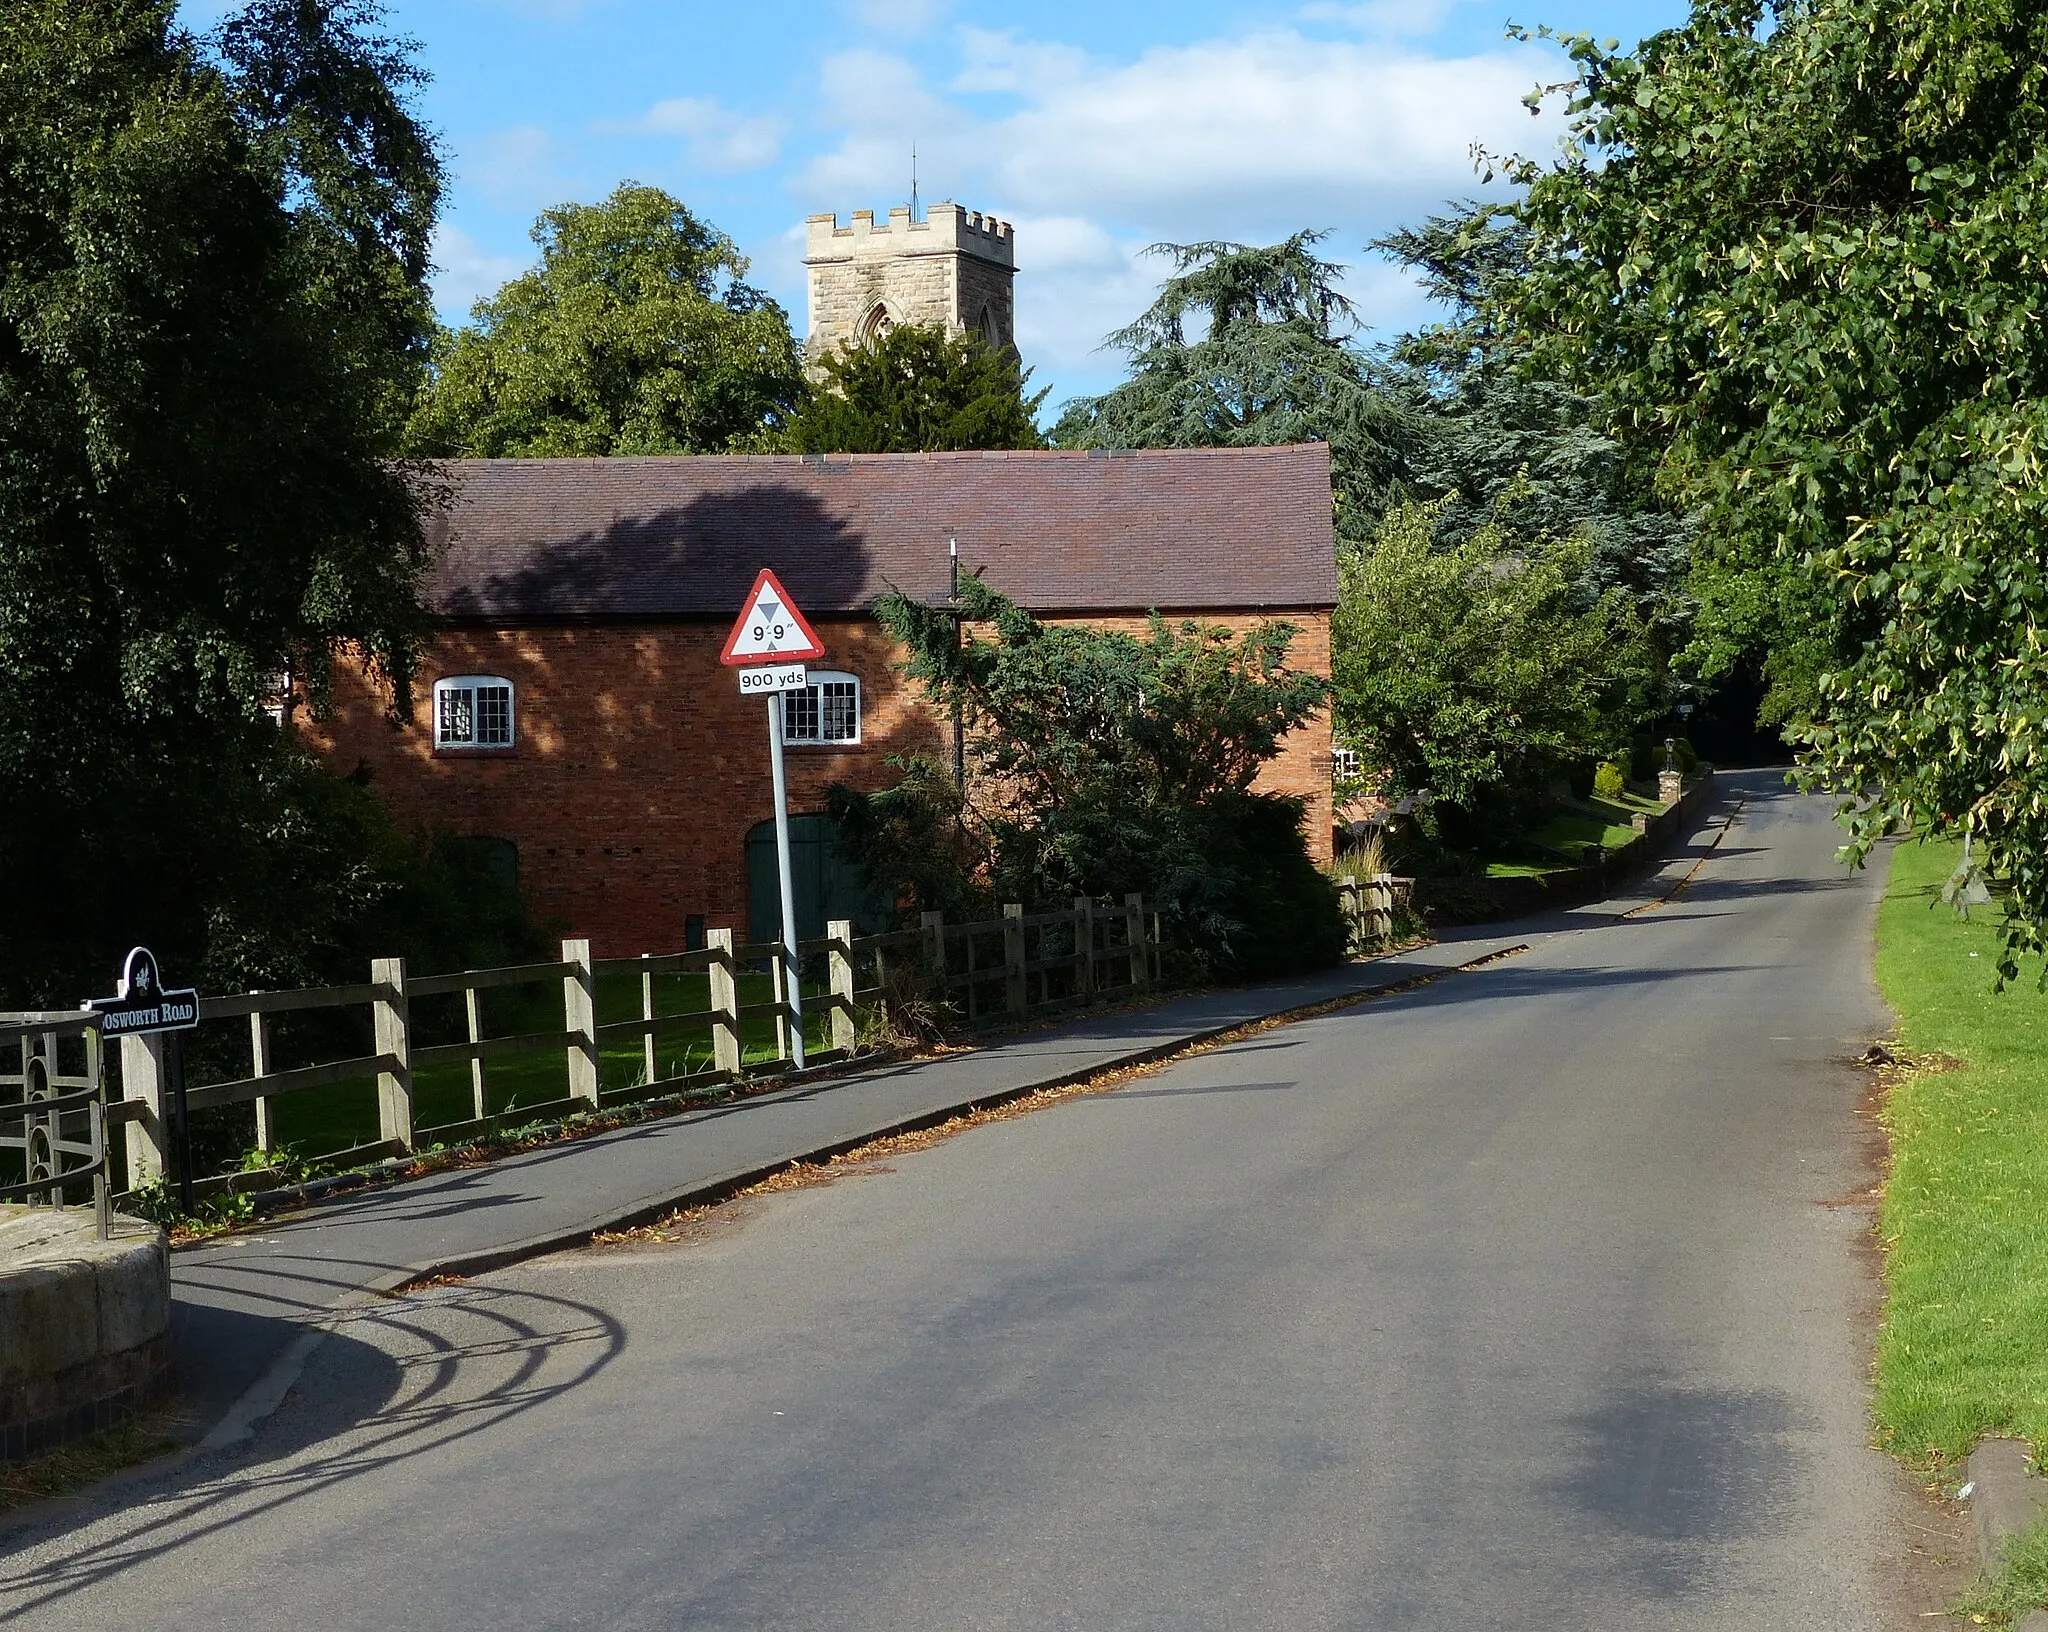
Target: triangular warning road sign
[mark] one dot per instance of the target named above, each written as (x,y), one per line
(771,629)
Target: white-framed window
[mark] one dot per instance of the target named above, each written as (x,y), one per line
(1345,762)
(826,710)
(473,711)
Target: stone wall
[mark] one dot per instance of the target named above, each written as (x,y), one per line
(1485,900)
(84,1325)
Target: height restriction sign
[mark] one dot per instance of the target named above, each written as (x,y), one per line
(771,629)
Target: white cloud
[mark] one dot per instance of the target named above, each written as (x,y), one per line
(898,16)
(1225,138)
(1246,138)
(465,272)
(515,166)
(719,139)
(1271,131)
(1000,61)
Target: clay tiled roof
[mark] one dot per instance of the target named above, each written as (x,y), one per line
(1182,530)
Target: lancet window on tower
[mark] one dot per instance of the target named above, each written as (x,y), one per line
(876,325)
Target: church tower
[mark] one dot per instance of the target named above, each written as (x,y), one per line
(953,269)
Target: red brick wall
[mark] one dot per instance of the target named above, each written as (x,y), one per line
(639,769)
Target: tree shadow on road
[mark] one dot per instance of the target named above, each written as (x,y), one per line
(1683,1473)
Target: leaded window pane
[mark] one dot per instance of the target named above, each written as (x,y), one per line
(458,716)
(494,716)
(838,708)
(800,715)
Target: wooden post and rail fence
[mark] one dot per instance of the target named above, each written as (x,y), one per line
(997,971)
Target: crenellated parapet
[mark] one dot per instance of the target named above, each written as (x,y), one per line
(947,229)
(953,269)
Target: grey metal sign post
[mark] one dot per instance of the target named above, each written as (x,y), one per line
(769,646)
(793,983)
(143,1006)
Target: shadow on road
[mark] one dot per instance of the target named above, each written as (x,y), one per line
(1684,1471)
(407,1377)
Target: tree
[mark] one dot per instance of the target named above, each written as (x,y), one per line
(1102,763)
(1485,434)
(1476,671)
(1798,252)
(1247,347)
(912,390)
(636,334)
(212,303)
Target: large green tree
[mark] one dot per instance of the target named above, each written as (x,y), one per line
(636,334)
(213,306)
(1103,762)
(1478,671)
(1485,435)
(1798,249)
(913,390)
(1248,346)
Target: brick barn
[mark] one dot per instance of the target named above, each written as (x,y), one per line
(571,707)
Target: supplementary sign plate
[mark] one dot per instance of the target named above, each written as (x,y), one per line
(140,1003)
(771,629)
(755,682)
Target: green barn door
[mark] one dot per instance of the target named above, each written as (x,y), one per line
(825,883)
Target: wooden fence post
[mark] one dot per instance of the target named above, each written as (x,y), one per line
(473,1018)
(725,1002)
(934,926)
(1016,994)
(1380,908)
(392,1015)
(1134,937)
(651,1053)
(778,989)
(142,1080)
(1084,946)
(579,1019)
(259,1066)
(839,958)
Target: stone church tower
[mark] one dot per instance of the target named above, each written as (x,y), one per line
(954,269)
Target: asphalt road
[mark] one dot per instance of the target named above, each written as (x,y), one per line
(1535,1298)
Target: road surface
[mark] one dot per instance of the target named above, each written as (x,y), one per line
(1536,1298)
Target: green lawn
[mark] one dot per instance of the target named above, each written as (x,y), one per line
(1576,834)
(1963,1350)
(323,1120)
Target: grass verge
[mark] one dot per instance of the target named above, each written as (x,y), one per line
(2005,1595)
(1963,1347)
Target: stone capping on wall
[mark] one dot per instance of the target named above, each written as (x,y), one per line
(84,1325)
(946,229)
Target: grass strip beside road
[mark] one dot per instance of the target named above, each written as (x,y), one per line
(1963,1348)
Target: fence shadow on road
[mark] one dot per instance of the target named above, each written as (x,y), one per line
(405,1377)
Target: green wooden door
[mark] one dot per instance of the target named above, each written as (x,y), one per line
(826,885)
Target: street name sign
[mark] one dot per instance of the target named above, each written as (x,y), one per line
(770,629)
(141,1005)
(756,682)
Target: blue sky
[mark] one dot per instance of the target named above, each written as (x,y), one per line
(1096,128)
